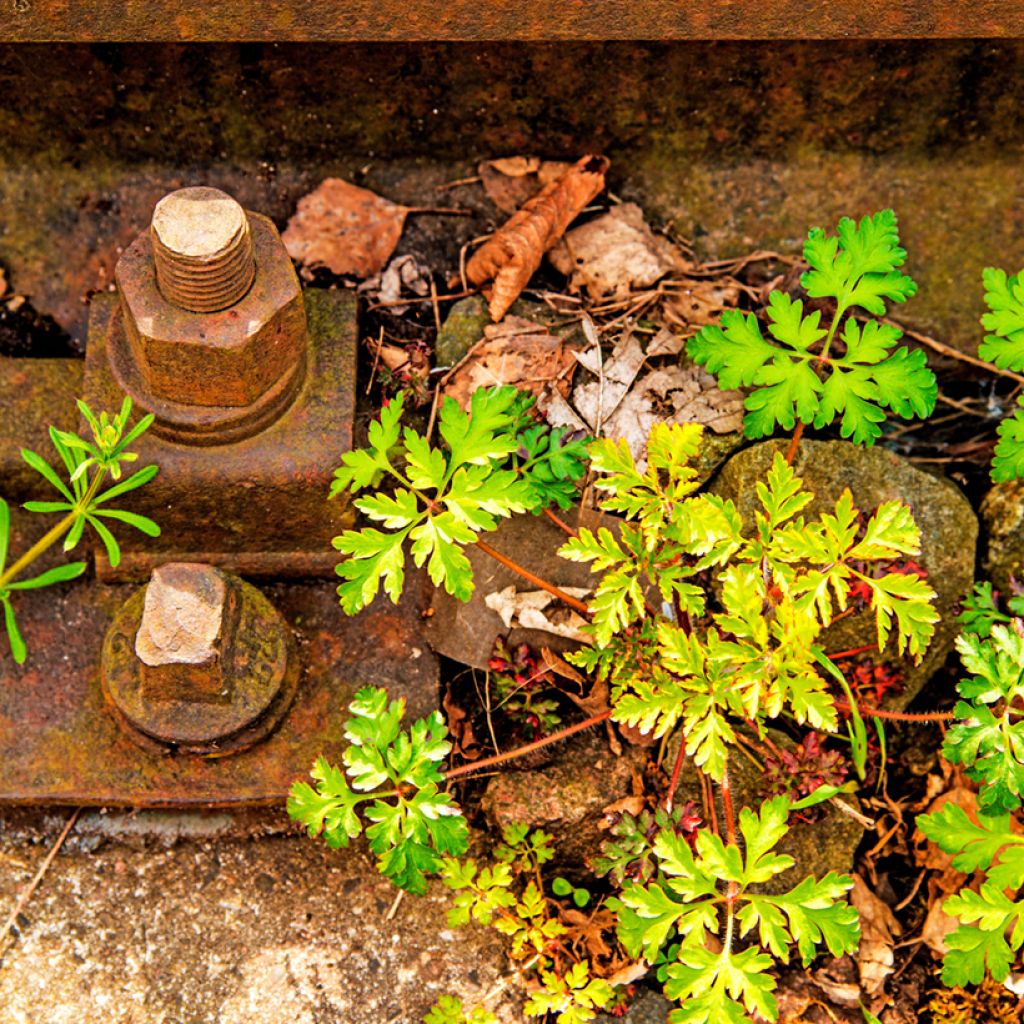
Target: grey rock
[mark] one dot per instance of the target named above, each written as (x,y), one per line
(647,1008)
(1002,512)
(568,797)
(949,530)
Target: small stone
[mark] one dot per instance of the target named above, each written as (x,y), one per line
(1002,512)
(568,797)
(182,616)
(646,1008)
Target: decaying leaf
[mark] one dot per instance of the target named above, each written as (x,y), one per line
(516,351)
(529,610)
(345,229)
(511,181)
(622,404)
(614,254)
(515,250)
(460,728)
(404,275)
(879,928)
(693,303)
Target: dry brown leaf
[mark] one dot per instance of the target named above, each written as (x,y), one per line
(514,251)
(878,928)
(590,928)
(394,357)
(597,401)
(460,728)
(518,352)
(665,343)
(557,664)
(346,229)
(627,805)
(614,254)
(512,181)
(3,282)
(937,925)
(694,303)
(528,610)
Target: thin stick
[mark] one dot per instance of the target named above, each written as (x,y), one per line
(43,868)
(536,580)
(376,358)
(529,748)
(439,211)
(394,906)
(458,181)
(434,303)
(952,353)
(422,298)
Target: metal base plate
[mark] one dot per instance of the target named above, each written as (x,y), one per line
(61,742)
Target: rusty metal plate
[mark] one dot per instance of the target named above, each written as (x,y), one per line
(61,742)
(470,20)
(258,506)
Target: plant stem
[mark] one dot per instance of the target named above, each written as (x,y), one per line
(899,716)
(852,652)
(529,748)
(794,443)
(530,577)
(677,768)
(730,816)
(559,522)
(53,535)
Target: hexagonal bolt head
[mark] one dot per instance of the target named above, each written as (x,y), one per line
(201,252)
(183,634)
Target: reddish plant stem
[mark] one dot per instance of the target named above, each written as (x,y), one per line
(677,769)
(900,716)
(560,523)
(794,443)
(730,816)
(852,652)
(530,577)
(529,748)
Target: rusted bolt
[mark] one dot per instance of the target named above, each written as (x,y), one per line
(214,340)
(202,249)
(199,660)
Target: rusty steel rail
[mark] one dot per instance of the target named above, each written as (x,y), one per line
(499,20)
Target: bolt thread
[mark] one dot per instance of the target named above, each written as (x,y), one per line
(203,251)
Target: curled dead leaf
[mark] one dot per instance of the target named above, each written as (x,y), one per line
(516,351)
(346,229)
(512,254)
(528,610)
(693,303)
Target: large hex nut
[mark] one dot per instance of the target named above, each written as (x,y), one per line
(248,354)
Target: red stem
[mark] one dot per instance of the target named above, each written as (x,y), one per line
(529,748)
(852,652)
(677,768)
(900,716)
(730,816)
(530,577)
(794,443)
(560,523)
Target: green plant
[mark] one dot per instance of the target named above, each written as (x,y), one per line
(807,373)
(414,823)
(1004,346)
(509,895)
(496,460)
(716,893)
(449,1010)
(82,502)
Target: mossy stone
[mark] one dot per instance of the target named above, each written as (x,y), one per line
(1002,512)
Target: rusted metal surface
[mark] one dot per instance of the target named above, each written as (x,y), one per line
(470,20)
(211,377)
(62,742)
(33,394)
(217,704)
(259,505)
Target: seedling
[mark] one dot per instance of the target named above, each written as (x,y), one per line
(83,503)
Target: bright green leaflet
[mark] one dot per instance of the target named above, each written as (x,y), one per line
(801,374)
(413,823)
